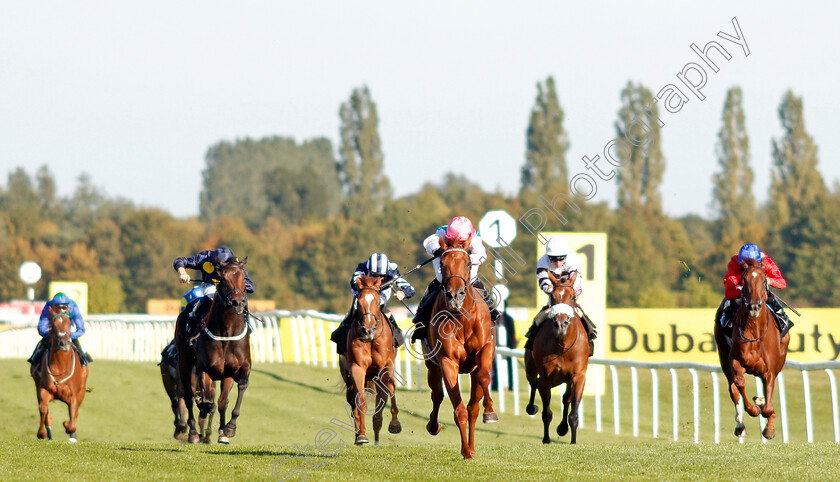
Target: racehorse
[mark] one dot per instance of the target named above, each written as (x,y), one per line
(460,340)
(60,375)
(221,351)
(369,361)
(560,355)
(172,385)
(756,348)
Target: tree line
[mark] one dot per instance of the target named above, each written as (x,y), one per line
(307,213)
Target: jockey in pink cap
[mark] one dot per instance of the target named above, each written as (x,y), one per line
(459,228)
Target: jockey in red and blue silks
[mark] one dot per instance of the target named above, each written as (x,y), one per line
(65,305)
(459,228)
(376,265)
(732,287)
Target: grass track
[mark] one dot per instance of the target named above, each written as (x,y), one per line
(125,432)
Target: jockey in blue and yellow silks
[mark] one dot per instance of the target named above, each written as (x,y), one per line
(65,305)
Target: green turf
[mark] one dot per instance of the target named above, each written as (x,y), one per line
(125,429)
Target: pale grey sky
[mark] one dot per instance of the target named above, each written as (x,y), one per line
(135,93)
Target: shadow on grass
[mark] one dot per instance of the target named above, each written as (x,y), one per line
(286,380)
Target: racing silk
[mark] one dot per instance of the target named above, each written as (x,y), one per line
(477,252)
(384,295)
(204,262)
(732,279)
(571,264)
(75,319)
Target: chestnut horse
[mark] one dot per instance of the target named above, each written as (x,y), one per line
(460,340)
(222,351)
(369,361)
(560,355)
(756,348)
(60,375)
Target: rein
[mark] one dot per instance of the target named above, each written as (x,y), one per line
(72,370)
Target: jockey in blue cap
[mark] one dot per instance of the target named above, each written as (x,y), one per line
(64,305)
(209,262)
(732,288)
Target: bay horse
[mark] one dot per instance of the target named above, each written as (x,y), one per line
(221,351)
(172,384)
(460,340)
(560,355)
(368,366)
(60,375)
(756,348)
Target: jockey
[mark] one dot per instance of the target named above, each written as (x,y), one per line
(208,262)
(559,260)
(377,265)
(64,305)
(459,228)
(732,289)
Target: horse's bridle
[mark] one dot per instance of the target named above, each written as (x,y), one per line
(560,284)
(228,293)
(60,336)
(446,280)
(747,305)
(361,318)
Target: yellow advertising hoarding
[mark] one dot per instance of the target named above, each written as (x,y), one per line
(76,290)
(591,252)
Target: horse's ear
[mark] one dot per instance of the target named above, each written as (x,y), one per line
(762,263)
(244,261)
(377,282)
(442,242)
(551,277)
(744,265)
(573,277)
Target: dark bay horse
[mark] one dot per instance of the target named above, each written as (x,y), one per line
(222,351)
(756,348)
(60,375)
(368,366)
(560,355)
(460,340)
(172,384)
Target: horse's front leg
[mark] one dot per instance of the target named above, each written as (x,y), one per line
(476,393)
(206,407)
(736,393)
(73,412)
(185,371)
(531,375)
(767,409)
(44,397)
(579,382)
(390,391)
(485,365)
(563,428)
(449,367)
(242,382)
(547,415)
(224,398)
(434,378)
(360,403)
(381,401)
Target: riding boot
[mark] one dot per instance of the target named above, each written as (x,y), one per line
(424,311)
(84,357)
(38,353)
(339,335)
(535,328)
(590,330)
(781,317)
(399,338)
(726,312)
(488,299)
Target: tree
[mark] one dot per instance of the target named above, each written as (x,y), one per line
(642,161)
(361,162)
(545,169)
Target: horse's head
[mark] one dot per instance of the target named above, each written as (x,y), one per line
(455,265)
(753,286)
(60,328)
(562,310)
(231,289)
(368,306)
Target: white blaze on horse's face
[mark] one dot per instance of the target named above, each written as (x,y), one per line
(369,299)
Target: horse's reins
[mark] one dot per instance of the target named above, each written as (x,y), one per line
(467,284)
(377,318)
(564,348)
(72,365)
(226,301)
(744,305)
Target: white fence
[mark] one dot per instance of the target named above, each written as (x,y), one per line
(142,337)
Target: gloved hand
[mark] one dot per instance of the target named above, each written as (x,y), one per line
(546,286)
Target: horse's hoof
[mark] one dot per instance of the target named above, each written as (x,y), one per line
(376,443)
(547,440)
(194,439)
(531,409)
(740,430)
(468,454)
(433,430)
(223,440)
(768,434)
(395,427)
(491,417)
(361,439)
(563,428)
(72,440)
